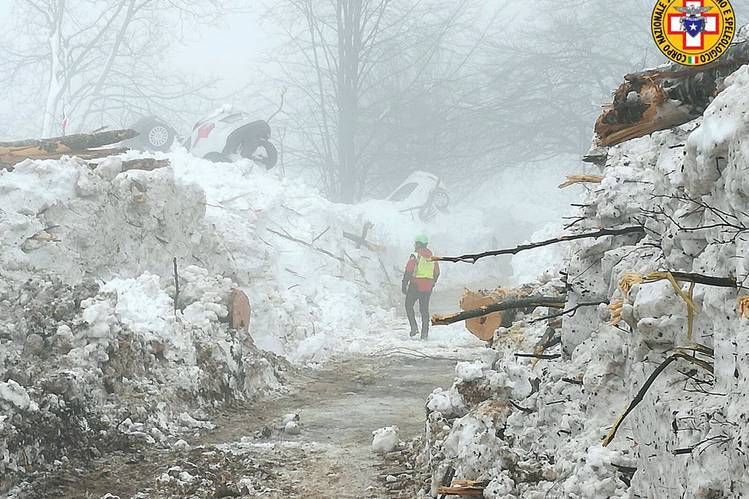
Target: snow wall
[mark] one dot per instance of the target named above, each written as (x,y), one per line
(534,428)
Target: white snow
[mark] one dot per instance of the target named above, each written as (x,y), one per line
(385,439)
(14,395)
(552,447)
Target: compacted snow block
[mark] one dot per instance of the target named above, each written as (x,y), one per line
(385,439)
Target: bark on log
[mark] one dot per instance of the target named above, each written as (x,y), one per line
(75,142)
(81,145)
(509,304)
(473,258)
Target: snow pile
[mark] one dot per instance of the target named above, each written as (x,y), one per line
(89,366)
(534,428)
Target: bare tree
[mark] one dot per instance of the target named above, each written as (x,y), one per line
(355,66)
(97,59)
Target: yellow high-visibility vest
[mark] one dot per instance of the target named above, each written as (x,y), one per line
(424,268)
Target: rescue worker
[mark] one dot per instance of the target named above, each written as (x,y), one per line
(418,282)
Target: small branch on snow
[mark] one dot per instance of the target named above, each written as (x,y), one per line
(570,311)
(646,386)
(573,381)
(521,408)
(539,355)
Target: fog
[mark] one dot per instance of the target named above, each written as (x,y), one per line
(470,91)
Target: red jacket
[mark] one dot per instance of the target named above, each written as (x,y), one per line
(423,285)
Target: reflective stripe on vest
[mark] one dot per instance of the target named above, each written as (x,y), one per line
(424,268)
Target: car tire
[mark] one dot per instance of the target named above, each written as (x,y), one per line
(155,135)
(271,155)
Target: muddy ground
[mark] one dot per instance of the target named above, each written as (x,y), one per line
(247,455)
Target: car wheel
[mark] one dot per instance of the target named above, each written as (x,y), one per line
(271,155)
(155,135)
(440,199)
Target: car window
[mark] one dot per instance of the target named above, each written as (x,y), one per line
(403,192)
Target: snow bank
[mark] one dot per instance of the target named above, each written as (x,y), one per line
(535,428)
(77,359)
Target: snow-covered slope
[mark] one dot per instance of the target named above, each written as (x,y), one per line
(535,428)
(89,331)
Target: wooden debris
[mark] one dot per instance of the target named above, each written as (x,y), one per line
(240,310)
(483,327)
(581,179)
(743,305)
(473,258)
(466,488)
(628,280)
(616,312)
(663,98)
(81,145)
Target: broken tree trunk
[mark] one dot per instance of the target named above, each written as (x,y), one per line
(658,99)
(473,258)
(508,304)
(82,145)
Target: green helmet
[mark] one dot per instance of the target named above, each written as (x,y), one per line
(422,239)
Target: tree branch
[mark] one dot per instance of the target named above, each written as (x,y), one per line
(473,258)
(508,304)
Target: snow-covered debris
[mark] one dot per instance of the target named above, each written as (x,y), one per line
(13,396)
(385,439)
(534,428)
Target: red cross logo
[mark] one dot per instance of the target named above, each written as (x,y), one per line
(680,24)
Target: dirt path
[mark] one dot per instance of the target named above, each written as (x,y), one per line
(247,455)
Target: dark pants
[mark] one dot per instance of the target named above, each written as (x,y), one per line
(412,296)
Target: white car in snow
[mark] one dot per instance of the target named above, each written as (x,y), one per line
(422,193)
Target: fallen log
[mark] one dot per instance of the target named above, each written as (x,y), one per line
(483,327)
(80,145)
(508,304)
(473,258)
(72,142)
